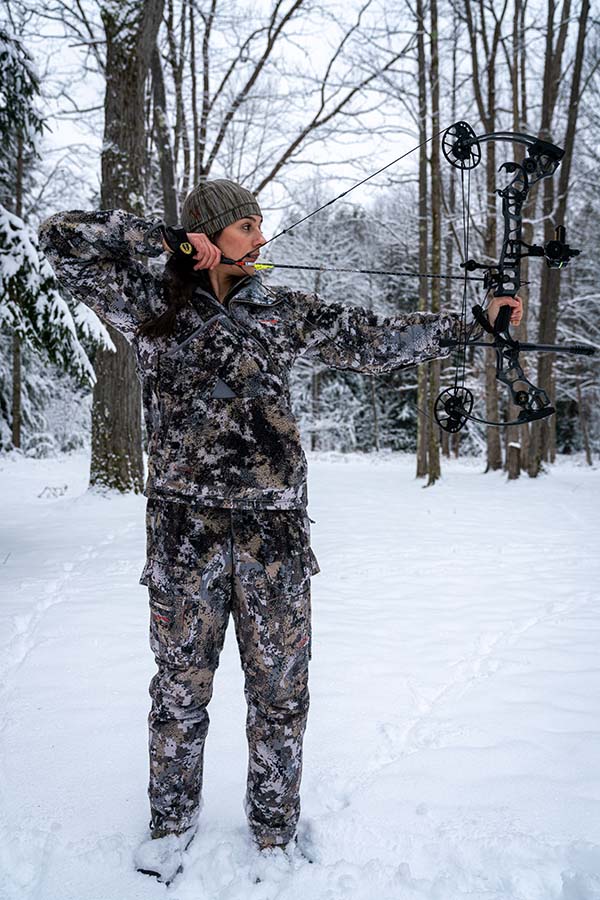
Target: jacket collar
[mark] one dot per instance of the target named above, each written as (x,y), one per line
(254,291)
(248,290)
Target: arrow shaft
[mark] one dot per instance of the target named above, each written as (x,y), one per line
(262,266)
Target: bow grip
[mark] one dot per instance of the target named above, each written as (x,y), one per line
(502,319)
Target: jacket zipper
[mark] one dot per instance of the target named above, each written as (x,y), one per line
(195,334)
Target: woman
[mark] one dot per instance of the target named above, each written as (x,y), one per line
(227,528)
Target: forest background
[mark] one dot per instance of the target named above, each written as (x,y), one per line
(128,105)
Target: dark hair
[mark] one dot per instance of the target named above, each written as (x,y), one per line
(178,286)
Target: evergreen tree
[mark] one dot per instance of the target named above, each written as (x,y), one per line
(32,308)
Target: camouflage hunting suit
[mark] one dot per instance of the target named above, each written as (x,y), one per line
(227,529)
(257,565)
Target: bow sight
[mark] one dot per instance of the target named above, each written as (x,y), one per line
(556,252)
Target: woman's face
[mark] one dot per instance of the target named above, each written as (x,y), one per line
(242,240)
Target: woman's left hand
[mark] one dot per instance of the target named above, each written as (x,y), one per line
(494,308)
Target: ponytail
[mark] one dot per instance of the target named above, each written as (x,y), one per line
(178,287)
(177,293)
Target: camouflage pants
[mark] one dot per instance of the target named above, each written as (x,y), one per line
(203,565)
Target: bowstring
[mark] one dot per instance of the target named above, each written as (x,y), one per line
(467,335)
(460,368)
(352,188)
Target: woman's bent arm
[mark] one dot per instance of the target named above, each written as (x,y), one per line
(94,257)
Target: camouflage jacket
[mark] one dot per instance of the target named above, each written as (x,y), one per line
(221,431)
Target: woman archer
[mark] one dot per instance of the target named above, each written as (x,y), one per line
(227,527)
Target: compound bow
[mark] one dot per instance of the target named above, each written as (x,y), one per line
(461,147)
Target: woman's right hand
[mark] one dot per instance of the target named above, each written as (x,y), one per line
(207,254)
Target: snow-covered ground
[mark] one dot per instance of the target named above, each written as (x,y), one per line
(453,744)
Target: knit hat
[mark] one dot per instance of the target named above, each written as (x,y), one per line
(212,205)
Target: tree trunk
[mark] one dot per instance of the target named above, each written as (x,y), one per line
(131,32)
(315,385)
(176,59)
(433,444)
(16,390)
(449,241)
(555,215)
(375,414)
(516,448)
(583,421)
(543,432)
(423,421)
(513,460)
(494,446)
(194,98)
(490,40)
(206,98)
(16,410)
(315,392)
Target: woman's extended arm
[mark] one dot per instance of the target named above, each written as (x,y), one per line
(350,337)
(94,257)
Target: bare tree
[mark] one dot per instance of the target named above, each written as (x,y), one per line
(543,444)
(246,110)
(162,139)
(424,423)
(517,436)
(433,449)
(485,39)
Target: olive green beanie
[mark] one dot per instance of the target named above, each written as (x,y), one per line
(213,205)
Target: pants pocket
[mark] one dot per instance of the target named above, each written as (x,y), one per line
(174,629)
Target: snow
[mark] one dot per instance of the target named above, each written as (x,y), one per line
(453,741)
(24,271)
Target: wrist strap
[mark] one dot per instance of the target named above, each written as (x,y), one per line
(177,241)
